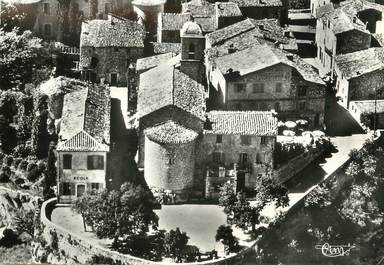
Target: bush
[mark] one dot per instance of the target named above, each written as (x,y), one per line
(287,151)
(9,238)
(23,165)
(8,160)
(34,174)
(17,162)
(5,174)
(31,166)
(22,150)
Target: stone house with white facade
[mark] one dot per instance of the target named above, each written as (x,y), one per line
(360,76)
(83,145)
(265,78)
(108,48)
(345,28)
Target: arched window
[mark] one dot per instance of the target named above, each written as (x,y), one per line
(191,51)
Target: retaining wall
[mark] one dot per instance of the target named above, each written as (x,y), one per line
(295,165)
(81,250)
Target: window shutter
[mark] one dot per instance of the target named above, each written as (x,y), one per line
(89,162)
(100,162)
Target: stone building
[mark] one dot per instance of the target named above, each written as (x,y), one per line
(344,29)
(360,76)
(108,47)
(58,20)
(171,107)
(265,78)
(247,33)
(209,16)
(235,144)
(148,12)
(83,142)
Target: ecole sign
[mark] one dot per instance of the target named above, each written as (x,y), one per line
(80,178)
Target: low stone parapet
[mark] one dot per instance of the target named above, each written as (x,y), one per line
(80,250)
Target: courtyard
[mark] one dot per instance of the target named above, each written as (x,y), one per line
(200,222)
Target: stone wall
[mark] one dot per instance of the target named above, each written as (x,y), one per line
(169,166)
(294,166)
(75,249)
(231,147)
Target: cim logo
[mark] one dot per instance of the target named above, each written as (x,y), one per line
(333,251)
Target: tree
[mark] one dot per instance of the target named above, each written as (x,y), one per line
(22,56)
(23,221)
(227,196)
(225,235)
(175,242)
(118,214)
(51,173)
(319,197)
(40,135)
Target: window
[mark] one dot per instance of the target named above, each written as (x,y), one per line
(245,139)
(113,79)
(240,88)
(243,158)
(67,161)
(47,29)
(263,140)
(302,105)
(258,88)
(279,87)
(95,186)
(302,91)
(66,186)
(259,158)
(218,157)
(47,9)
(95,162)
(219,139)
(191,51)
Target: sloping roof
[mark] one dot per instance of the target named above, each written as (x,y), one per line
(82,141)
(166,85)
(343,22)
(148,2)
(227,9)
(260,123)
(112,33)
(225,33)
(147,63)
(249,60)
(170,132)
(87,110)
(361,62)
(368,106)
(323,10)
(246,34)
(263,56)
(379,37)
(257,3)
(173,21)
(166,47)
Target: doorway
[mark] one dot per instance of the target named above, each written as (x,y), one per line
(80,189)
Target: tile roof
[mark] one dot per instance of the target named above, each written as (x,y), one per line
(147,63)
(87,110)
(227,9)
(221,35)
(170,132)
(257,3)
(361,62)
(112,33)
(260,57)
(248,33)
(166,47)
(173,21)
(260,123)
(368,106)
(166,85)
(343,22)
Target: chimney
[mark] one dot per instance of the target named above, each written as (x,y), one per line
(231,49)
(354,19)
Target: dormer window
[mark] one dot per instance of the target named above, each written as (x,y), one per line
(191,51)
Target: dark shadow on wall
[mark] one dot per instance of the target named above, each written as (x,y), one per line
(338,120)
(121,166)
